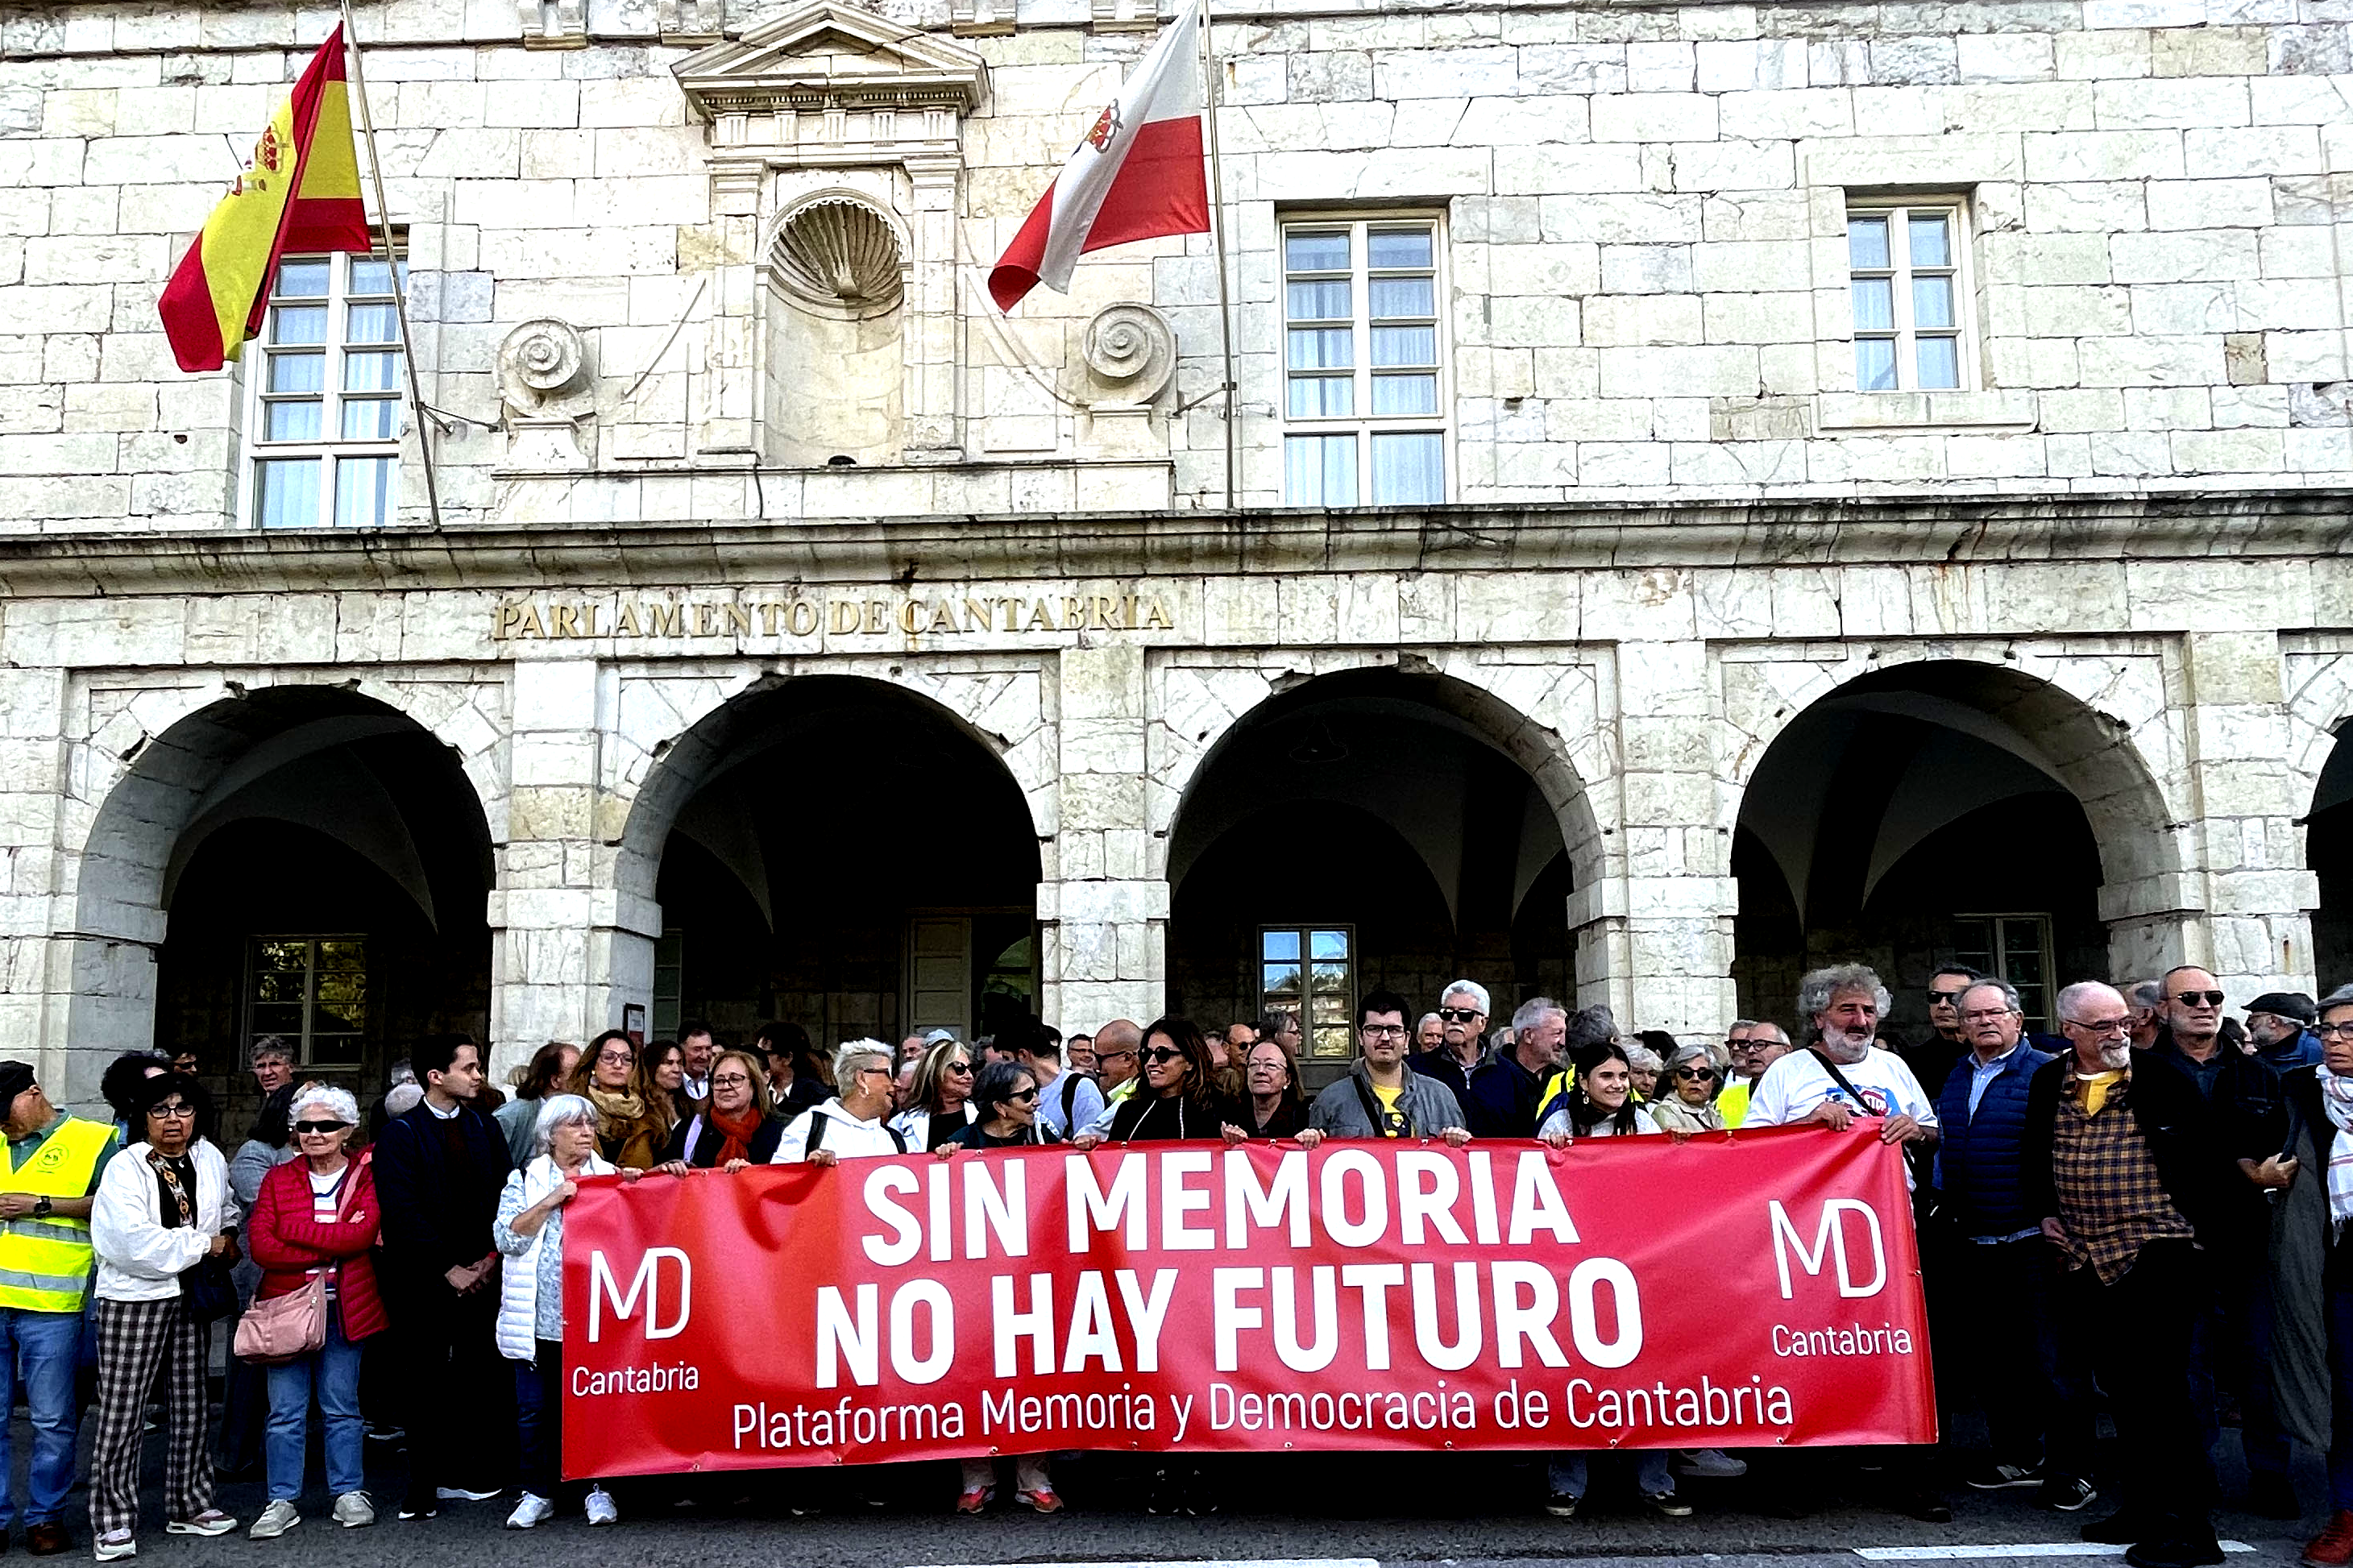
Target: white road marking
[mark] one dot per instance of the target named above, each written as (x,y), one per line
(2030,1549)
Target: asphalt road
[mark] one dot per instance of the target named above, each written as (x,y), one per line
(1458,1511)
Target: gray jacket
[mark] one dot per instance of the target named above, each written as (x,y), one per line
(1339,1110)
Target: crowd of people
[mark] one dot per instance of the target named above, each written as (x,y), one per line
(2144,1209)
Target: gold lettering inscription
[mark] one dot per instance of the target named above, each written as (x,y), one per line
(666,620)
(802,624)
(563,620)
(910,615)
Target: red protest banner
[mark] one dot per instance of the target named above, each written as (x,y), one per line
(1738,1290)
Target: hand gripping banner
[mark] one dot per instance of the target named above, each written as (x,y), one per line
(1746,1289)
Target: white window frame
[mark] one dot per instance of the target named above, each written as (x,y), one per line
(1322,1039)
(329,449)
(1363,423)
(305,1040)
(1997,956)
(1897,209)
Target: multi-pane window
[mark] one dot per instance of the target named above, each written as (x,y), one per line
(1363,368)
(322,443)
(2016,948)
(1910,298)
(312,992)
(1311,972)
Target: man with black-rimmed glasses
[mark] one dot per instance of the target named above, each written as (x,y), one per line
(1383,1097)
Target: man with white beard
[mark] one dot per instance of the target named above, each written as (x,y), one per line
(1833,1081)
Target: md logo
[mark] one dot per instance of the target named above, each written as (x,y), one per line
(1830,1245)
(647,1286)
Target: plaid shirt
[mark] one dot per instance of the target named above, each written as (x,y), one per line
(2110,1197)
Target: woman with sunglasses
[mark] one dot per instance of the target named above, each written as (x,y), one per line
(1689,1104)
(629,1133)
(316,1215)
(1177,1097)
(1005,1102)
(164,1207)
(940,1105)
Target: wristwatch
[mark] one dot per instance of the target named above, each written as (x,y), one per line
(42,1207)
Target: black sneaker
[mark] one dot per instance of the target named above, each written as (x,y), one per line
(1162,1496)
(1560,1505)
(1994,1477)
(2068,1494)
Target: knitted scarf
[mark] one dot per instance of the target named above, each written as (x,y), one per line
(737,1132)
(2336,1098)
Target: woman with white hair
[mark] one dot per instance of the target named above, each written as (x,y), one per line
(529,1234)
(316,1219)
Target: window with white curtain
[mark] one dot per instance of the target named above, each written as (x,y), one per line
(1909,287)
(1366,406)
(323,388)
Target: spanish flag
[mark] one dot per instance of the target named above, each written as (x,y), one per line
(301,194)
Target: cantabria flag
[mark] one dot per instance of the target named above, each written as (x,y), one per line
(300,195)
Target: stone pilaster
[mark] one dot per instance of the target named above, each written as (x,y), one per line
(1104,918)
(930,325)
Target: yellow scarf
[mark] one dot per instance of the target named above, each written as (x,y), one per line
(2094,1086)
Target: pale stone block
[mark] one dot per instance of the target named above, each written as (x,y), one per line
(1659,68)
(1549,167)
(1573,67)
(1645,268)
(1612,219)
(2178,102)
(1616,320)
(1998,57)
(1734,166)
(1654,116)
(1787,114)
(2183,257)
(1445,73)
(2227,451)
(2184,308)
(2103,155)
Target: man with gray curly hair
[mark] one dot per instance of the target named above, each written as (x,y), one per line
(1840,1077)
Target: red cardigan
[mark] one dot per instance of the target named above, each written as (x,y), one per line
(284,1238)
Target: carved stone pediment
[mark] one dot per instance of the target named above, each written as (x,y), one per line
(830,57)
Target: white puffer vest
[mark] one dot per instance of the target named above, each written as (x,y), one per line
(517,1330)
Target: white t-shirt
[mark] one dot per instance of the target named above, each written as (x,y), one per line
(1792,1087)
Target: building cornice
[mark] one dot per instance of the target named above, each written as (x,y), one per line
(2285,524)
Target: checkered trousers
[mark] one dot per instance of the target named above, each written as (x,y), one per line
(134,1338)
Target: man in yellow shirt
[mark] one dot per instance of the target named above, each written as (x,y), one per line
(1382,1097)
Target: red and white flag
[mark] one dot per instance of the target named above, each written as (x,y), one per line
(1138,174)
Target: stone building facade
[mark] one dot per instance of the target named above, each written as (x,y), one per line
(1718,485)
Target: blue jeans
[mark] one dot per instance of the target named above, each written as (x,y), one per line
(539,1417)
(334,1371)
(1566,1473)
(44,1349)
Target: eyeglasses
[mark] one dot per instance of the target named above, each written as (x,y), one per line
(729,1079)
(1384,1031)
(962,1070)
(2098,1026)
(615,1059)
(1024,1095)
(1459,1014)
(189,1111)
(1737,1046)
(2191,998)
(2334,1031)
(318,1129)
(1695,1073)
(1984,1016)
(1162,1055)
(1936,997)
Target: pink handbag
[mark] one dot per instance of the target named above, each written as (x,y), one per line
(288,1328)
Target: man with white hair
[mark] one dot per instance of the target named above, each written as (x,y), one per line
(2123,1176)
(1462,1021)
(852,1124)
(1763,1043)
(1510,1086)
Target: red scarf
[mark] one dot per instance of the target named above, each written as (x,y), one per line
(738,1131)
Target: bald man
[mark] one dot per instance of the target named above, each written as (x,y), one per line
(1119,1058)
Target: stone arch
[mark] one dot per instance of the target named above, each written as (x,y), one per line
(2319,714)
(1975,730)
(163,768)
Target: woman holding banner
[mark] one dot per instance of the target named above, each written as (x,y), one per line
(1275,1107)
(942,1102)
(1689,1104)
(528,1234)
(733,1131)
(1006,1098)
(1179,1099)
(1598,1101)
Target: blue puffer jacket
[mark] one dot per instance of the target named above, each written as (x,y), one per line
(1981,1158)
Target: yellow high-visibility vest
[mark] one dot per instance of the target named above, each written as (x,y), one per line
(1734,1103)
(45,1261)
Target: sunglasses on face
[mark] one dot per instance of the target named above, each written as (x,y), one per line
(1949,997)
(963,1070)
(1696,1073)
(2191,998)
(318,1129)
(1025,1096)
(1162,1055)
(1459,1014)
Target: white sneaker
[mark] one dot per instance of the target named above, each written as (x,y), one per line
(1709,1463)
(463,1494)
(212,1522)
(530,1513)
(115,1544)
(276,1520)
(600,1506)
(355,1511)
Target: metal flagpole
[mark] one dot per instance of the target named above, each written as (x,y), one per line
(1212,81)
(392,261)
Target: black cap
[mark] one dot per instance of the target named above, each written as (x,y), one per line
(2286,1004)
(15,1078)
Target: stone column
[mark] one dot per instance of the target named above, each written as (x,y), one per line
(932,323)
(1657,938)
(1103,917)
(727,404)
(2256,935)
(565,953)
(60,965)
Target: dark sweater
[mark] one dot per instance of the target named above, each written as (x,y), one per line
(1147,1118)
(438,1183)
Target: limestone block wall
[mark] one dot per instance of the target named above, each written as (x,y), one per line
(1644,253)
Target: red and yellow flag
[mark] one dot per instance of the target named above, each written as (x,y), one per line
(301,194)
